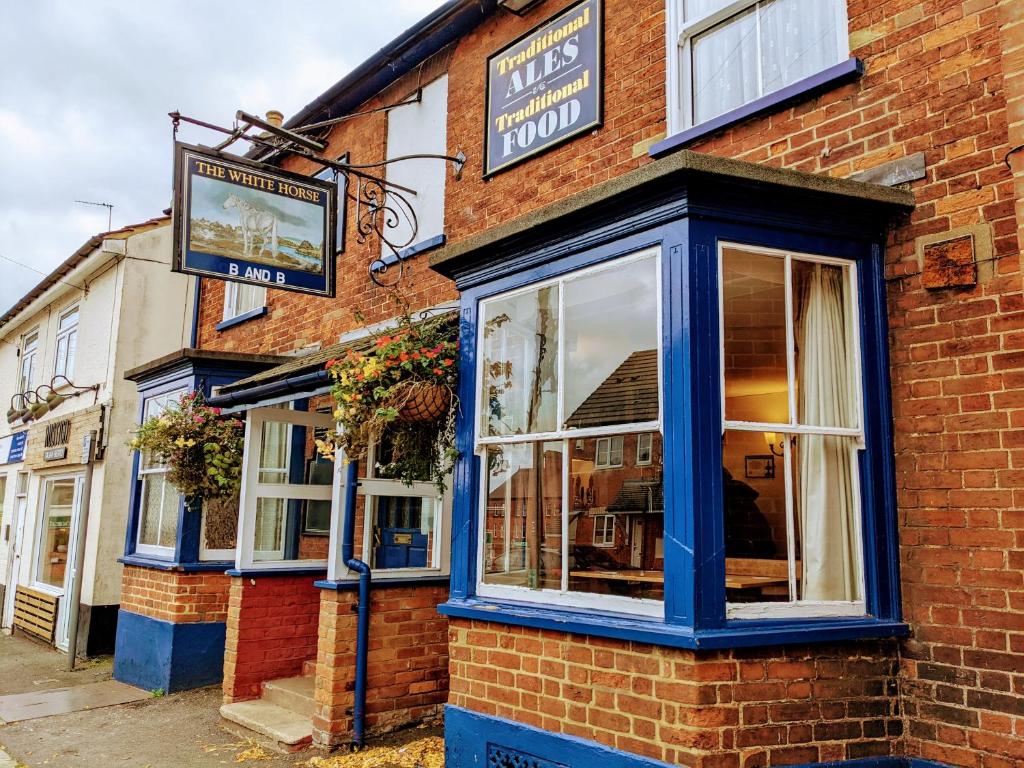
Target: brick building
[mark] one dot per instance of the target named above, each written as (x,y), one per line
(811,212)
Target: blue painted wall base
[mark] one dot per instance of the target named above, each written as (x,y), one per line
(158,655)
(473,740)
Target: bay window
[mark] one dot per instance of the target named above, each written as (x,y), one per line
(724,54)
(159,502)
(568,372)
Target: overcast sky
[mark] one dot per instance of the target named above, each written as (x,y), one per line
(85,88)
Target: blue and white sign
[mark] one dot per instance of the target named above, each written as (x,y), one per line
(12,447)
(544,88)
(252,223)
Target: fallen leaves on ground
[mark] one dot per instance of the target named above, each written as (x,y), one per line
(254,752)
(427,752)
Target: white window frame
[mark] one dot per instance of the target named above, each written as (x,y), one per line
(231,292)
(563,596)
(369,487)
(155,550)
(605,523)
(64,363)
(680,35)
(800,608)
(640,448)
(252,489)
(29,359)
(609,443)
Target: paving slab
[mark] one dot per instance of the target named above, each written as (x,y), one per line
(27,665)
(60,701)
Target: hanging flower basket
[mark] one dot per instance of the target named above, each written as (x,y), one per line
(399,389)
(201,448)
(423,402)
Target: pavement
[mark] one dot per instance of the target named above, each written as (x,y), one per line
(180,730)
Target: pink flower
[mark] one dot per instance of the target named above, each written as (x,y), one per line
(216,411)
(198,419)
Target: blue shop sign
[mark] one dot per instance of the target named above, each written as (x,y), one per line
(12,447)
(544,88)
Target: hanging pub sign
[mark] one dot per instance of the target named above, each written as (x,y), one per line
(544,88)
(249,222)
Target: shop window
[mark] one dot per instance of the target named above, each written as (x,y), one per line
(159,501)
(67,343)
(413,129)
(240,298)
(29,376)
(791,434)
(724,54)
(569,372)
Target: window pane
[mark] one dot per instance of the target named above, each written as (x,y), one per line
(520,368)
(616,521)
(274,452)
(523,535)
(754,342)
(69,363)
(403,531)
(56,531)
(798,39)
(611,346)
(824,346)
(827,505)
(169,514)
(698,9)
(268,542)
(725,67)
(754,501)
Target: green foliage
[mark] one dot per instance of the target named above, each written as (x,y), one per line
(201,448)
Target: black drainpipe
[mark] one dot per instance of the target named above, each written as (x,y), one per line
(363,628)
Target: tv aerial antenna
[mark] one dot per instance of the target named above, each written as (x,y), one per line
(108,206)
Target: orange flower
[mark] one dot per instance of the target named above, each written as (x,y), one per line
(438,371)
(447,361)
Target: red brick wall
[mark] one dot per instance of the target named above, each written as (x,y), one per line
(271,631)
(173,596)
(712,710)
(407,667)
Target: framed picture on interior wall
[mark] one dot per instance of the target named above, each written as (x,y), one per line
(759,467)
(342,207)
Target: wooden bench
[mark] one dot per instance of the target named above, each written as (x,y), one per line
(35,612)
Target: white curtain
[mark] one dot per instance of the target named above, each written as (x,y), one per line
(725,67)
(826,504)
(798,39)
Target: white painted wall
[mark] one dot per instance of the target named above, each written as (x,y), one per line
(132,311)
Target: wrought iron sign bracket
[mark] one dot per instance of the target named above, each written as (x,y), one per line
(383,208)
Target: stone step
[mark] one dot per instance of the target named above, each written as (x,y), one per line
(309,668)
(286,730)
(294,693)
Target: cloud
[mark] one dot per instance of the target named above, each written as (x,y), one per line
(84,109)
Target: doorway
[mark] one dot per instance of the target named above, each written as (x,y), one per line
(56,544)
(16,533)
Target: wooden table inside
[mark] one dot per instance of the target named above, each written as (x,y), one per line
(732,580)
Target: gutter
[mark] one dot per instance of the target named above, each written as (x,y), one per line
(448,23)
(363,620)
(301,383)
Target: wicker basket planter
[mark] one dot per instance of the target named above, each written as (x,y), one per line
(424,402)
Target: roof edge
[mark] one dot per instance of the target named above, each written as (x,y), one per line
(684,161)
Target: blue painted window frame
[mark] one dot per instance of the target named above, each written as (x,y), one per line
(187,544)
(695,597)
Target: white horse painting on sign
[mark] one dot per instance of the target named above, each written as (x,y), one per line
(256,225)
